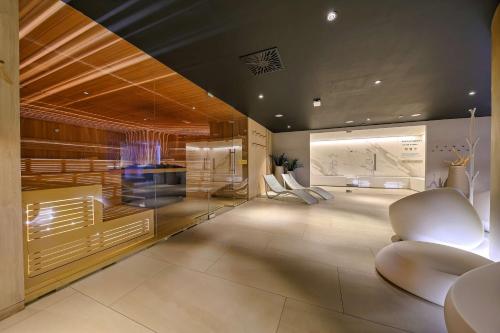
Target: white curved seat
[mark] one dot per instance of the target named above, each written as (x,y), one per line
(482,205)
(442,216)
(473,303)
(424,269)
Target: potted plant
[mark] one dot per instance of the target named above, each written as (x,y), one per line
(280,164)
(457,177)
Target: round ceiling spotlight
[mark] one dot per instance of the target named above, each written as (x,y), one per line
(400,116)
(349,121)
(194,107)
(378,82)
(279,115)
(331,16)
(416,115)
(85,92)
(368,119)
(261,96)
(288,126)
(472,93)
(210,94)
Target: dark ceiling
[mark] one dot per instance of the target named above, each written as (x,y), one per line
(428,54)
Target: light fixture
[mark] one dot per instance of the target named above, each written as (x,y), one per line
(472,93)
(416,115)
(279,115)
(194,107)
(261,96)
(349,121)
(400,116)
(366,140)
(368,119)
(210,94)
(377,82)
(288,126)
(331,16)
(317,102)
(186,122)
(145,119)
(85,92)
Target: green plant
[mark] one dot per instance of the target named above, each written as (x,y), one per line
(280,160)
(288,165)
(294,164)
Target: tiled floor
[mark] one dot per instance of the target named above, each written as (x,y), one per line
(266,266)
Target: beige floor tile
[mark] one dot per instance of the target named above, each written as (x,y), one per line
(187,251)
(300,317)
(373,298)
(343,254)
(181,300)
(230,235)
(77,313)
(282,274)
(16,318)
(36,306)
(269,221)
(108,285)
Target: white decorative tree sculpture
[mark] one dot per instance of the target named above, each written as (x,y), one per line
(472,143)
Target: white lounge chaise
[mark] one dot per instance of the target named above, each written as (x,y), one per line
(293,184)
(472,304)
(276,187)
(424,269)
(442,216)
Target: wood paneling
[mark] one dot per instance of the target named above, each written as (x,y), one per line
(66,229)
(259,149)
(11,245)
(74,69)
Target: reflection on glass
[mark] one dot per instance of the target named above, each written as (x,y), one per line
(118,150)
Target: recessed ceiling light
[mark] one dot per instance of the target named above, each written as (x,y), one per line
(416,115)
(472,93)
(331,16)
(210,94)
(279,115)
(85,92)
(400,116)
(289,127)
(368,119)
(186,122)
(377,82)
(317,102)
(261,96)
(349,121)
(145,119)
(194,107)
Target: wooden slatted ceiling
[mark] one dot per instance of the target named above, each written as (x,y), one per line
(64,54)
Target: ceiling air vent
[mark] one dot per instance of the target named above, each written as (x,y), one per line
(266,61)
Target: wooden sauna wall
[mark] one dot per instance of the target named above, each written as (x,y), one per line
(46,139)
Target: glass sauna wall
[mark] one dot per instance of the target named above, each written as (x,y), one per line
(118,150)
(380,158)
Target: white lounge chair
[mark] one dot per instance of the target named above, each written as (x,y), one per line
(294,185)
(276,187)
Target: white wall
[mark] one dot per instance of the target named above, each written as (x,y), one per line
(440,133)
(295,145)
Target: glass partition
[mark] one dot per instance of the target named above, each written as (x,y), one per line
(118,150)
